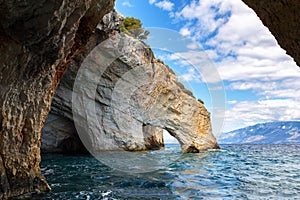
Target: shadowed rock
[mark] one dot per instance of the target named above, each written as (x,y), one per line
(282,19)
(153,137)
(37,39)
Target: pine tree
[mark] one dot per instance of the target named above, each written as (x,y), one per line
(133,27)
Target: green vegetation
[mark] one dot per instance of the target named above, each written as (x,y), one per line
(160,61)
(133,27)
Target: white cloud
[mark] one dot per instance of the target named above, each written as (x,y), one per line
(246,113)
(201,61)
(193,46)
(275,89)
(246,68)
(284,93)
(152,1)
(191,75)
(252,85)
(165,4)
(247,57)
(206,17)
(185,31)
(253,52)
(127,4)
(232,102)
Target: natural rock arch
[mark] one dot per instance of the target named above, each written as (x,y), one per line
(38,39)
(132,93)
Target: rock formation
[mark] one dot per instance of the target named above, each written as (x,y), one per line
(136,97)
(59,135)
(153,137)
(37,39)
(282,19)
(59,132)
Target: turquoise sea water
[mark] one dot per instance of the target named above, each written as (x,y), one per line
(235,172)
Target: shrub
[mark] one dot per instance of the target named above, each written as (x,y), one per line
(133,27)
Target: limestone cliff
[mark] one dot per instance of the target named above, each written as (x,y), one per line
(37,39)
(282,19)
(136,97)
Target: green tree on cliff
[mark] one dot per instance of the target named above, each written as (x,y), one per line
(133,27)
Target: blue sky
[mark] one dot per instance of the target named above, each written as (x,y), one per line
(261,82)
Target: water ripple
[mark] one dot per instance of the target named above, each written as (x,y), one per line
(235,172)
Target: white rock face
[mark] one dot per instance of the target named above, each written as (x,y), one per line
(125,105)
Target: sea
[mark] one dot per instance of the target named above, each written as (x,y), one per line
(233,172)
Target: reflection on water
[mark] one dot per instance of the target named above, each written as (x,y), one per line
(140,162)
(235,172)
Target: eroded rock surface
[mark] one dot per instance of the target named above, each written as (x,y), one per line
(133,95)
(37,39)
(60,136)
(153,137)
(282,19)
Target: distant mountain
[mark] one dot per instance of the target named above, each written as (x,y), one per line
(267,133)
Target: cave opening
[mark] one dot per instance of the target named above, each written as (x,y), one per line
(169,139)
